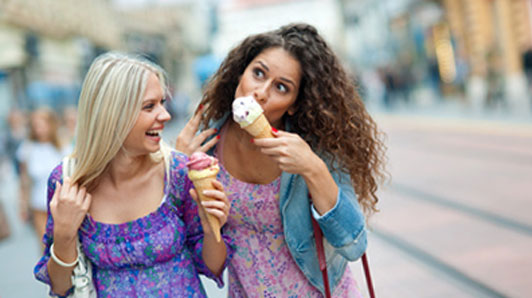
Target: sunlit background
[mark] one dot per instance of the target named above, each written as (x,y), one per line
(448,81)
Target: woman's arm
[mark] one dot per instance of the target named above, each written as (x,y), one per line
(67,208)
(60,280)
(214,253)
(344,225)
(24,191)
(209,257)
(334,201)
(293,155)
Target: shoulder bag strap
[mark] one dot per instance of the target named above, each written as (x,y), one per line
(67,167)
(318,237)
(321,256)
(368,276)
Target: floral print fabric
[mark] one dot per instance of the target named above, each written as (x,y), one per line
(159,255)
(262,265)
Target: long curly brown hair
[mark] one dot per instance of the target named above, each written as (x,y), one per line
(329,113)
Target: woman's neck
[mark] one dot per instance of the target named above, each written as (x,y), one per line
(242,138)
(124,166)
(239,153)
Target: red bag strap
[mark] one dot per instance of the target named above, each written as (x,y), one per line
(321,256)
(365,264)
(318,237)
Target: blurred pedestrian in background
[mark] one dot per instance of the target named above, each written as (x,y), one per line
(129,200)
(68,124)
(325,142)
(37,156)
(495,80)
(16,133)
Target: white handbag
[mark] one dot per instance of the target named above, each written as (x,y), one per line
(82,275)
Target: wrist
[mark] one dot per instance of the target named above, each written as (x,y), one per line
(61,261)
(315,168)
(208,234)
(64,253)
(62,240)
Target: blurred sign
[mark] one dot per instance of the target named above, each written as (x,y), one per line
(12,52)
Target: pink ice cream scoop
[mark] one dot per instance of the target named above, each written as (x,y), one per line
(199,161)
(202,170)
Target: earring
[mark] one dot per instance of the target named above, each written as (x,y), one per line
(291,111)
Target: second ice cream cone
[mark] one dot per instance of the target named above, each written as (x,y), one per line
(206,184)
(202,170)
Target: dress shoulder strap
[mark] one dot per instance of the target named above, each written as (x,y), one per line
(68,166)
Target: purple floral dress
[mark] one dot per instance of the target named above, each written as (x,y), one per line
(262,265)
(159,255)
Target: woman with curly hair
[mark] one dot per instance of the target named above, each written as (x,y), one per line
(325,161)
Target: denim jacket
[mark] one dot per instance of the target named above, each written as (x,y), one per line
(343,226)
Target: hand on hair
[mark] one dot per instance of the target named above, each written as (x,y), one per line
(68,207)
(188,142)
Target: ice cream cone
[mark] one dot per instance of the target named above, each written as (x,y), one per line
(260,128)
(248,113)
(206,184)
(202,171)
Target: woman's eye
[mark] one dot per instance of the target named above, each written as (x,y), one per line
(282,88)
(148,107)
(258,72)
(163,101)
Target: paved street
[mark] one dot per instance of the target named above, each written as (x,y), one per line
(454,220)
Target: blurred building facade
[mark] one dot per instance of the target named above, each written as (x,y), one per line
(493,37)
(238,19)
(472,51)
(46,46)
(415,51)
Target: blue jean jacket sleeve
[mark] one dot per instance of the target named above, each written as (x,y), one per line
(343,226)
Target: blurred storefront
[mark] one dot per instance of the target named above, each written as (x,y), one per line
(467,51)
(46,46)
(492,36)
(412,51)
(239,18)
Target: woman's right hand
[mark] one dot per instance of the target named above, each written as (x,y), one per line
(68,207)
(188,142)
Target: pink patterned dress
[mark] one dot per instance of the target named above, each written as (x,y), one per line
(262,265)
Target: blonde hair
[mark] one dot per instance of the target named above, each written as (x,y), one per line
(109,104)
(53,121)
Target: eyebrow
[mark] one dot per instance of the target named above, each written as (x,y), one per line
(152,99)
(263,65)
(282,78)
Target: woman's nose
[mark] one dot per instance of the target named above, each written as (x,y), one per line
(261,93)
(163,115)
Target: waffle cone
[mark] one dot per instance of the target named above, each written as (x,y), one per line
(206,184)
(260,128)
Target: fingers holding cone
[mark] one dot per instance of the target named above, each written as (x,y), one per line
(209,192)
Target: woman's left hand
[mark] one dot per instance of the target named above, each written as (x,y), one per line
(292,154)
(219,206)
(189,142)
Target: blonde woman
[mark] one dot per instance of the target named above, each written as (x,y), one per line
(129,199)
(38,156)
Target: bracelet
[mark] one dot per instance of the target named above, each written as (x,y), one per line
(58,261)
